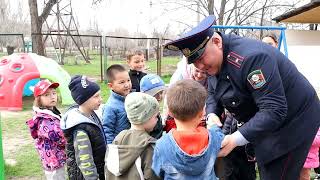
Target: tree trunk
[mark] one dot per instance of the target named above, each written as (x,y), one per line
(262,18)
(222,11)
(211,7)
(10,50)
(36,28)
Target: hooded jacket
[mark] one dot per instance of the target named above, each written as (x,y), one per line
(171,162)
(49,140)
(130,156)
(86,145)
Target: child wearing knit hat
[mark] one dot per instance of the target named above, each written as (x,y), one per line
(83,130)
(130,154)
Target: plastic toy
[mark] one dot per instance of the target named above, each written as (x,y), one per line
(17,69)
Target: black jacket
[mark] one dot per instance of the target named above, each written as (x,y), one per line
(135,77)
(73,124)
(158,128)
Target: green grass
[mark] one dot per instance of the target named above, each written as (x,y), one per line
(168,65)
(28,163)
(12,125)
(22,150)
(93,70)
(14,128)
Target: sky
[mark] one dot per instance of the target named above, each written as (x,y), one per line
(133,15)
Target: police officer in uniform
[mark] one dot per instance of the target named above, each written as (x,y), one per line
(263,89)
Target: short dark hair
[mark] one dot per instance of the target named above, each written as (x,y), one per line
(112,70)
(185,99)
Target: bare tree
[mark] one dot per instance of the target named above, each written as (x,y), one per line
(37,22)
(119,46)
(231,12)
(12,21)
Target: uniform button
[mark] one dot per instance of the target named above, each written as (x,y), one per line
(233,103)
(227,77)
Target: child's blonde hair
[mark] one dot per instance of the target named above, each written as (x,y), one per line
(132,53)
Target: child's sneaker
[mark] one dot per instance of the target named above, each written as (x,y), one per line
(317,177)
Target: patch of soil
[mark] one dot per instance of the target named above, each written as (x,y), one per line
(12,144)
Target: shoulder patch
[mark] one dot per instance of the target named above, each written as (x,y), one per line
(256,79)
(235,59)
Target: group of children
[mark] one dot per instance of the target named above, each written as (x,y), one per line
(129,141)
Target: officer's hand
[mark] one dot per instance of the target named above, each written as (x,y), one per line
(213,119)
(227,145)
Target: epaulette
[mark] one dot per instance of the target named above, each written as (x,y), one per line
(235,59)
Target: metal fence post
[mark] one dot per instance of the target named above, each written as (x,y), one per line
(159,58)
(101,64)
(105,60)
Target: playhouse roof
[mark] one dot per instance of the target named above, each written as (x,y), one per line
(309,13)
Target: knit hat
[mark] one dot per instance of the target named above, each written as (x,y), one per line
(152,84)
(82,89)
(140,107)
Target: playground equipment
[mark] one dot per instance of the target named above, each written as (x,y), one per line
(17,69)
(28,87)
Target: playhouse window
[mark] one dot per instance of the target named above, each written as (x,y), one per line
(4,62)
(16,67)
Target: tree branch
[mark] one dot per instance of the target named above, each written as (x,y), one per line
(255,11)
(46,10)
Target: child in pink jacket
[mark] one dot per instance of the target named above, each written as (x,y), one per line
(45,130)
(312,160)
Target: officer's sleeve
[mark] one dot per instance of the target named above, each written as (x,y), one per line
(84,156)
(211,105)
(261,76)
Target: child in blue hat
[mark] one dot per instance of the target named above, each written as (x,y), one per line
(153,85)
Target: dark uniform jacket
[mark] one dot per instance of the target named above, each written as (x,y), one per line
(260,86)
(135,77)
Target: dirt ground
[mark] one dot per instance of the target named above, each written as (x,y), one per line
(12,143)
